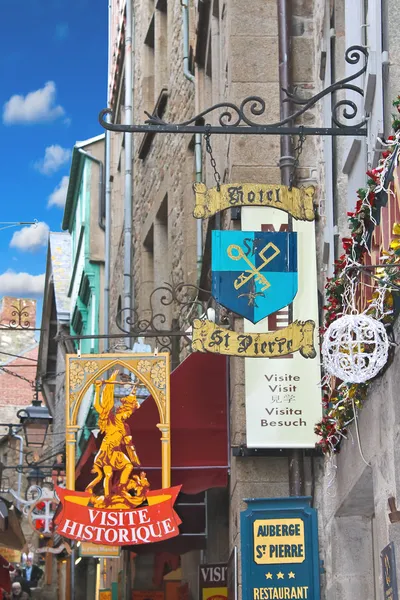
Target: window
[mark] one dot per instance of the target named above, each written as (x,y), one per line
(84,290)
(161,263)
(77,321)
(147,267)
(363,26)
(155,55)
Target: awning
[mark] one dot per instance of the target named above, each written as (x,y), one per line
(13,536)
(85,462)
(199,431)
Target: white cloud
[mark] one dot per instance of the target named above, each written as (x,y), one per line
(54,158)
(59,194)
(21,284)
(36,107)
(29,239)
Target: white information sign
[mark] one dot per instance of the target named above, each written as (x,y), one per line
(283,396)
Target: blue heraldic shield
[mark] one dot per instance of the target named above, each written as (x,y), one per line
(254,273)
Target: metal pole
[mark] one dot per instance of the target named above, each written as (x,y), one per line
(127,303)
(107,196)
(296,458)
(72,579)
(197,137)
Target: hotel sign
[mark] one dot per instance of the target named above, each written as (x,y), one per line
(283,395)
(279,540)
(296,202)
(296,337)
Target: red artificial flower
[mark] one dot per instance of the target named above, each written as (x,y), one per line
(347,244)
(372,174)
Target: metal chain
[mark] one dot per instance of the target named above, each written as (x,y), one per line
(297,153)
(16,375)
(217,176)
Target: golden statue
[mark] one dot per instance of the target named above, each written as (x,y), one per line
(117,452)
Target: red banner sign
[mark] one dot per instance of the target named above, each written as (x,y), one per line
(144,525)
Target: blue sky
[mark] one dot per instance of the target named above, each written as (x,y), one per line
(53,72)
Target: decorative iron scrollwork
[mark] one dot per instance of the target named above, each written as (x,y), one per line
(240,119)
(20,317)
(184,300)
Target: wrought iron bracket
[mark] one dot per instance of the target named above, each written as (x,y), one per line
(240,119)
(185,302)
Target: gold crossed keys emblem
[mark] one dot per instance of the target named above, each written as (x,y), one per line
(235,252)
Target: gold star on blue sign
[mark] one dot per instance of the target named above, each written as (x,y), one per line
(291,575)
(268,576)
(280,575)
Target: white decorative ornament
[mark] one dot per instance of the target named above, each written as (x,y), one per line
(355,348)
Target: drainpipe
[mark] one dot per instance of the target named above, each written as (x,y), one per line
(296,458)
(101,183)
(107,198)
(128,291)
(197,137)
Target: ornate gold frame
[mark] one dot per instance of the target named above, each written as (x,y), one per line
(152,370)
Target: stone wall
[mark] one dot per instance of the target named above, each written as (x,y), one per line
(248,65)
(352,489)
(162,195)
(241,60)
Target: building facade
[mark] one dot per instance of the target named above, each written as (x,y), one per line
(84,220)
(184,61)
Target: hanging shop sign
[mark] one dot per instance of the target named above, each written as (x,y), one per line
(389,577)
(80,520)
(97,550)
(55,550)
(279,539)
(296,202)
(296,337)
(254,273)
(213,582)
(283,395)
(10,555)
(118,507)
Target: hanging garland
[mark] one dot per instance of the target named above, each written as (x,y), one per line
(341,405)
